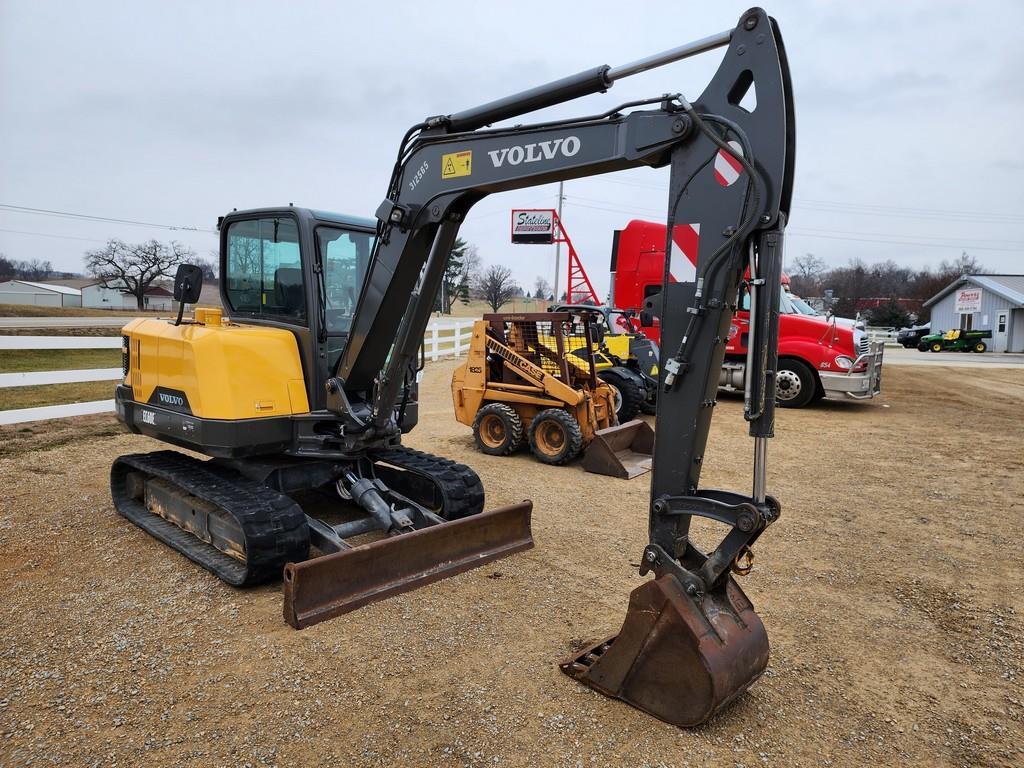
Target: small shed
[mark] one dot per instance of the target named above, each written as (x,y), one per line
(983,302)
(39,294)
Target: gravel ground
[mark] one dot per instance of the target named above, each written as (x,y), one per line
(890,590)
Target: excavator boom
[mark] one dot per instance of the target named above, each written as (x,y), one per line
(691,641)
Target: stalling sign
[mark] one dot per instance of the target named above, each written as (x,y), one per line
(968,301)
(533,225)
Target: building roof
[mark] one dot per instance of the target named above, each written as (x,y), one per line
(73,282)
(1009,287)
(50,287)
(156,290)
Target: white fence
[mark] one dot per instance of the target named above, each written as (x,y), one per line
(885,335)
(444,338)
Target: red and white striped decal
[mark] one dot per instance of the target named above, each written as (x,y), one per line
(683,259)
(727,168)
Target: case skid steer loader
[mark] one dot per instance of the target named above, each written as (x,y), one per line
(311,382)
(533,378)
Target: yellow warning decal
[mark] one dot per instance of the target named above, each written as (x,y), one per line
(457,164)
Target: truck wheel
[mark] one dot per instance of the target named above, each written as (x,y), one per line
(980,346)
(497,430)
(794,384)
(555,436)
(627,393)
(936,346)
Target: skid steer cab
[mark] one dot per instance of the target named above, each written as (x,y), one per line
(625,358)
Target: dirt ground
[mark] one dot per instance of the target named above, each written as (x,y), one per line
(890,588)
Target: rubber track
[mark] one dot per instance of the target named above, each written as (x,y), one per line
(460,486)
(273,526)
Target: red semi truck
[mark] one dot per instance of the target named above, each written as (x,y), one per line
(817,356)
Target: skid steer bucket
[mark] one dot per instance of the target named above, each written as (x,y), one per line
(623,451)
(678,658)
(324,587)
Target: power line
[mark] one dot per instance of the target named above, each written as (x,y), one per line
(868,209)
(47,234)
(882,238)
(88,217)
(961,245)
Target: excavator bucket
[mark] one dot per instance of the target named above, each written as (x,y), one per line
(324,587)
(677,657)
(623,451)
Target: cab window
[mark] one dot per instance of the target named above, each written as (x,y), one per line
(345,255)
(264,269)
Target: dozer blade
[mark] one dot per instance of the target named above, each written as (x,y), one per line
(324,587)
(623,451)
(674,658)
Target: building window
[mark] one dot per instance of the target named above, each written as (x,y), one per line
(966,322)
(1001,322)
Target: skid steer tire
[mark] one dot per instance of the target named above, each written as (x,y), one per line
(555,436)
(629,394)
(497,430)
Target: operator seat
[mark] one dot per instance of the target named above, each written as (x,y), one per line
(288,293)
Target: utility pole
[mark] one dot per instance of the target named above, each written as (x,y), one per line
(558,242)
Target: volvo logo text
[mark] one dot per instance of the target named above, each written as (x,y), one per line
(172,400)
(533,153)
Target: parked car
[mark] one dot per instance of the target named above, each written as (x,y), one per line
(955,341)
(911,337)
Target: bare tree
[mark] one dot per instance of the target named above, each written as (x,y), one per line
(806,274)
(542,288)
(497,286)
(134,268)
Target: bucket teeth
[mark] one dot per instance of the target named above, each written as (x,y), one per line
(676,658)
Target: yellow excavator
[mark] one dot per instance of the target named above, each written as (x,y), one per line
(307,381)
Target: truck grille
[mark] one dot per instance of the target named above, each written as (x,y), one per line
(863,344)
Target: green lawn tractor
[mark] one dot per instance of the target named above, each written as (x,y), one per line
(955,341)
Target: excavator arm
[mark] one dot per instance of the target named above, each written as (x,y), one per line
(691,641)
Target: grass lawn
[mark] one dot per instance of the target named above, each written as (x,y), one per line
(55,394)
(28,310)
(478,308)
(18,360)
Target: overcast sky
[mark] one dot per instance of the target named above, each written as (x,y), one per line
(174,113)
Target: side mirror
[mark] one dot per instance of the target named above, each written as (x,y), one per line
(596,333)
(188,283)
(646,318)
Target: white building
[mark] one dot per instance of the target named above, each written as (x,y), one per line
(39,294)
(100,296)
(983,302)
